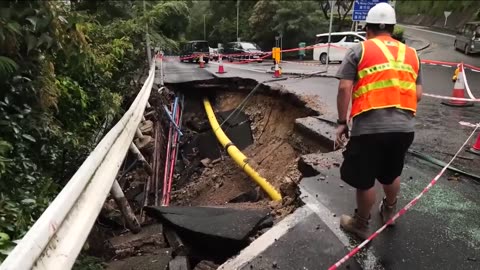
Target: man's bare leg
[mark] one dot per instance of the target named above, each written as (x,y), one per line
(365,201)
(391,191)
(389,203)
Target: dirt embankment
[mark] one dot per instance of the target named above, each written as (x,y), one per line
(222,183)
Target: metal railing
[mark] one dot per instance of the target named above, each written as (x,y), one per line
(57,237)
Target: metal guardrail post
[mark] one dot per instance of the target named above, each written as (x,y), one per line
(130,219)
(138,133)
(134,149)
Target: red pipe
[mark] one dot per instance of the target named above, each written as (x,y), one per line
(172,165)
(165,174)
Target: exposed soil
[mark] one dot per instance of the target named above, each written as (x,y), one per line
(272,121)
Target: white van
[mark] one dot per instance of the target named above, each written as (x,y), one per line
(341,42)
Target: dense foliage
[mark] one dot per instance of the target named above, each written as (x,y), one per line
(66,71)
(261,20)
(434,8)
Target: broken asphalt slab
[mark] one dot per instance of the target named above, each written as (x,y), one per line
(320,130)
(220,231)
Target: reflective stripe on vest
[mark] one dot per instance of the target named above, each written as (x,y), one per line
(385,82)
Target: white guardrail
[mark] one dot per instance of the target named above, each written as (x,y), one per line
(56,239)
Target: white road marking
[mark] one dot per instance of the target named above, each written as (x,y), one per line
(369,263)
(428,31)
(266,239)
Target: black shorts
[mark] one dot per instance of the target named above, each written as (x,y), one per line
(374,156)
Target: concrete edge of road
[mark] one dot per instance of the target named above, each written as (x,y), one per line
(314,74)
(423,43)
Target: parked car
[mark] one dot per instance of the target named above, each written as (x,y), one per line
(243,51)
(342,41)
(195,48)
(214,54)
(468,38)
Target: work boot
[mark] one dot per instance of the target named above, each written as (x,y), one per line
(387,211)
(356,225)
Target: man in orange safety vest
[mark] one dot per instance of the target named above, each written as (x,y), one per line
(382,78)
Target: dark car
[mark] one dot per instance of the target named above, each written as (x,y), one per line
(192,50)
(242,51)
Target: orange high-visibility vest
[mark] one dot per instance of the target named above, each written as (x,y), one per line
(385,81)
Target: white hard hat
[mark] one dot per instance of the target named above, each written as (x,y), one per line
(381,13)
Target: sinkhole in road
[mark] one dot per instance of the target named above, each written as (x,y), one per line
(265,129)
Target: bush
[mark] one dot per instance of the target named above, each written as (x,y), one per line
(398,33)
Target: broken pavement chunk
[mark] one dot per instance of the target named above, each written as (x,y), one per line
(129,243)
(159,261)
(228,223)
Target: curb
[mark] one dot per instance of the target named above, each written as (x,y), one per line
(425,42)
(304,74)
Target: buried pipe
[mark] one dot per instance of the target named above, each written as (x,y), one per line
(238,156)
(173,156)
(167,163)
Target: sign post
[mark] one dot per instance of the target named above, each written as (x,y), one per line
(446,13)
(361,8)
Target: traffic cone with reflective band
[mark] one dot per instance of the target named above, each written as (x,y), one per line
(220,65)
(475,149)
(277,73)
(458,91)
(201,62)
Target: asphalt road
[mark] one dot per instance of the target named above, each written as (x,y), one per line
(441,47)
(440,232)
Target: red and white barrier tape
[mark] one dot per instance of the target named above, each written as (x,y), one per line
(403,210)
(467,87)
(468,124)
(451,98)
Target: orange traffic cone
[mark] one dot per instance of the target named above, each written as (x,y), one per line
(475,149)
(201,62)
(458,91)
(221,70)
(277,73)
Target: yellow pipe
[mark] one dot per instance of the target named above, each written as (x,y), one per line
(238,156)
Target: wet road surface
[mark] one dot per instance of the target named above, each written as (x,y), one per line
(441,232)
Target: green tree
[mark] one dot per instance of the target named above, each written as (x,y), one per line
(66,72)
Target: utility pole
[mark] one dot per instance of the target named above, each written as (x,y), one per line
(204,28)
(329,33)
(238,9)
(147,38)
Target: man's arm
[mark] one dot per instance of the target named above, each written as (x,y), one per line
(347,74)
(419,82)
(343,98)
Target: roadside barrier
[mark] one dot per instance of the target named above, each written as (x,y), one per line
(404,209)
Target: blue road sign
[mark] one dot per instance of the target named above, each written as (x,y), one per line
(361,8)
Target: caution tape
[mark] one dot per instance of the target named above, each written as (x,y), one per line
(451,98)
(468,124)
(403,210)
(467,87)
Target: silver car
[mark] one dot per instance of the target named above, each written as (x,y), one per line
(468,39)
